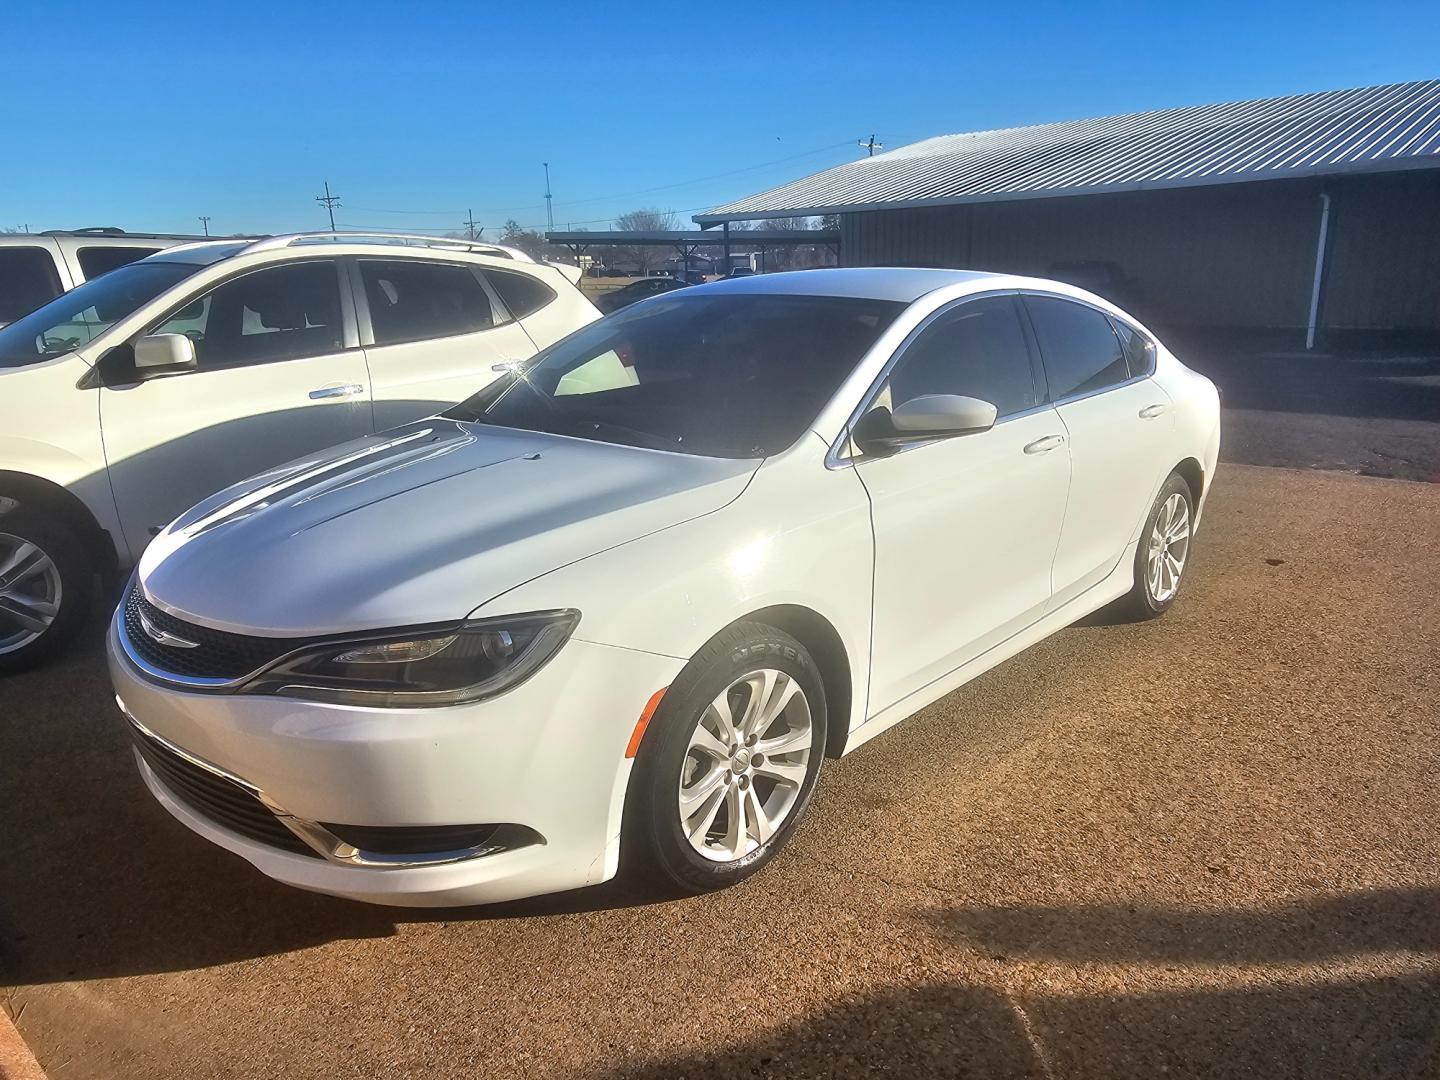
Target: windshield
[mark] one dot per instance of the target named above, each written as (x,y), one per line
(79,316)
(725,375)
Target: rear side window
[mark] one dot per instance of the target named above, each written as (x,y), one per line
(28,278)
(1139,350)
(1079,348)
(976,349)
(415,301)
(101,260)
(522,294)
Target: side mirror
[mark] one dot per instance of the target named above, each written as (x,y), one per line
(160,354)
(921,419)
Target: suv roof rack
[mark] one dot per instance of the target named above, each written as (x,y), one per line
(111,230)
(445,243)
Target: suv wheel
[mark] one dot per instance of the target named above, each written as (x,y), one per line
(46,585)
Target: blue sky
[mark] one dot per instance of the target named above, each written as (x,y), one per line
(148,115)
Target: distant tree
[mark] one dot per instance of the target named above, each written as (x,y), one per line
(644,257)
(513,234)
(830,221)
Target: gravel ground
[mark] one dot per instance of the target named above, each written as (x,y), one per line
(1205,846)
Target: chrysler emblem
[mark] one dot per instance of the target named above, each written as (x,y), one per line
(164,637)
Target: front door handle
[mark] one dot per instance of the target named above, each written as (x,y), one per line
(1045,445)
(1149,412)
(332,393)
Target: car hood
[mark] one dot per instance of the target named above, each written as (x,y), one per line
(421,524)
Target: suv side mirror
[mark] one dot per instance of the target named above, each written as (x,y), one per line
(160,354)
(921,419)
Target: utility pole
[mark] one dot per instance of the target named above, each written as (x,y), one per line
(549,207)
(870,146)
(469,224)
(330,201)
(205,223)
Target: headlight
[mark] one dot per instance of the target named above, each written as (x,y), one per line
(475,660)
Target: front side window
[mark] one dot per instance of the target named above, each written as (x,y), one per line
(976,349)
(522,294)
(737,376)
(280,313)
(1079,348)
(416,301)
(95,261)
(77,317)
(27,279)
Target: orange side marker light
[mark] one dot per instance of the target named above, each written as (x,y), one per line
(644,721)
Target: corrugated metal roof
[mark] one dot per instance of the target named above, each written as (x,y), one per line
(1367,129)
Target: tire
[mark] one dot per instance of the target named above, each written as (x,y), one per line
(1145,600)
(656,842)
(41,561)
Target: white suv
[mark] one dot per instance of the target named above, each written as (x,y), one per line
(135,395)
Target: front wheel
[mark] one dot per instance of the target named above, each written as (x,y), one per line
(45,587)
(729,762)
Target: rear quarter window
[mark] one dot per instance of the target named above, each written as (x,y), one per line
(28,278)
(522,294)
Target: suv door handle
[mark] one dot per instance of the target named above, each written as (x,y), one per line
(1149,412)
(329,393)
(1045,445)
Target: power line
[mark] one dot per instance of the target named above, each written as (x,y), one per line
(331,202)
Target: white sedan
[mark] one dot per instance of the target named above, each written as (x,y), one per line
(627,598)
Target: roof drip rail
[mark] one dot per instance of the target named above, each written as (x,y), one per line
(442,243)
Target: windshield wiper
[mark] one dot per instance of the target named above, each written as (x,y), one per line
(590,426)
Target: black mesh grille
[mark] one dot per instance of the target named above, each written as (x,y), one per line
(220,800)
(217,655)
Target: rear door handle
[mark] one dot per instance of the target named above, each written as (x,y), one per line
(331,393)
(1045,445)
(1149,412)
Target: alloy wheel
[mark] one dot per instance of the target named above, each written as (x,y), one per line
(745,766)
(1168,546)
(30,592)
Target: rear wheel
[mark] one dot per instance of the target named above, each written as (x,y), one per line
(46,585)
(730,761)
(1164,551)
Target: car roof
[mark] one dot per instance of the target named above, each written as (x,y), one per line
(902,283)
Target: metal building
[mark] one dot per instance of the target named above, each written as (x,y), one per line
(1314,214)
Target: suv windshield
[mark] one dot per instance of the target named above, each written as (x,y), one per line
(727,375)
(77,317)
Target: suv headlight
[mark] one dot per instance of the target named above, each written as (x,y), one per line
(475,660)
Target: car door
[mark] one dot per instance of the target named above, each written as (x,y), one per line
(965,527)
(1119,423)
(433,334)
(279,374)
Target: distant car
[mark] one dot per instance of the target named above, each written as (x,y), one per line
(37,267)
(1100,276)
(127,399)
(636,291)
(741,271)
(620,605)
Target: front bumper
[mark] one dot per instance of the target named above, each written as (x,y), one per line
(548,756)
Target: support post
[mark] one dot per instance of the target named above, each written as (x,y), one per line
(1322,246)
(725,247)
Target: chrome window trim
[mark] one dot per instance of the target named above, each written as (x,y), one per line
(314,835)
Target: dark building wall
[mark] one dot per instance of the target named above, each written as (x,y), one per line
(1229,256)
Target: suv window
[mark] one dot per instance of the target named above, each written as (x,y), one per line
(280,313)
(1139,350)
(1079,348)
(977,349)
(522,294)
(27,279)
(414,301)
(101,260)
